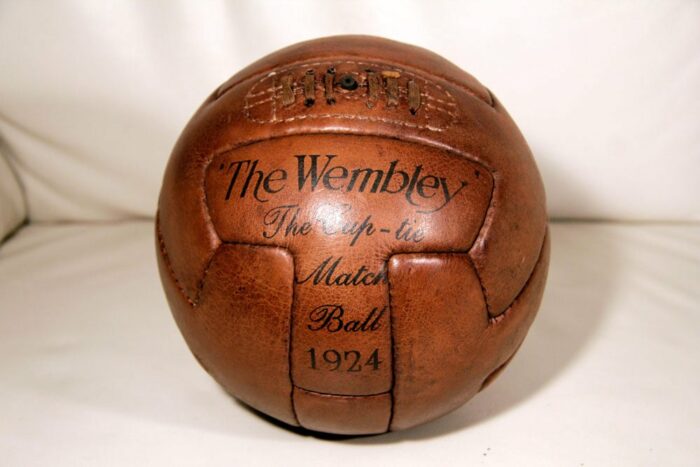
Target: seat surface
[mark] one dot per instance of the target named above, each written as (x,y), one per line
(95,372)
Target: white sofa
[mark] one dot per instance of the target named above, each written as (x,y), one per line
(92,97)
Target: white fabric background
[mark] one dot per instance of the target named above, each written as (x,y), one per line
(94,94)
(96,373)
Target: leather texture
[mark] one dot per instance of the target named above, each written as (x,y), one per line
(352,235)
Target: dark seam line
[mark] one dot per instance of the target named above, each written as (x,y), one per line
(431,144)
(495,319)
(481,285)
(289,343)
(200,285)
(500,367)
(210,224)
(485,225)
(340,395)
(492,102)
(393,350)
(257,245)
(168,264)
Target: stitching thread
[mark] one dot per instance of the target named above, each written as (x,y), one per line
(319,86)
(353,117)
(223,90)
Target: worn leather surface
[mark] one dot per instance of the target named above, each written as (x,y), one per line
(352,235)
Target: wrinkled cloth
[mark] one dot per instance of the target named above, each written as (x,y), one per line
(93,95)
(95,372)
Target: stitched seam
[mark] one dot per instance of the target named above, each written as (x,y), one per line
(393,346)
(210,224)
(485,224)
(501,316)
(340,395)
(319,86)
(492,100)
(481,284)
(347,95)
(260,102)
(499,368)
(265,91)
(378,63)
(166,260)
(274,99)
(272,94)
(348,117)
(289,340)
(431,144)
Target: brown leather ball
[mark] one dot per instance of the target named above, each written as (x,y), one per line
(352,235)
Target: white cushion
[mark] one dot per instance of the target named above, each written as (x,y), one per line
(94,94)
(95,371)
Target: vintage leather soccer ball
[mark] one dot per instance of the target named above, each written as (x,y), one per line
(352,235)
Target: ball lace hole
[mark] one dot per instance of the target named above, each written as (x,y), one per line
(348,82)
